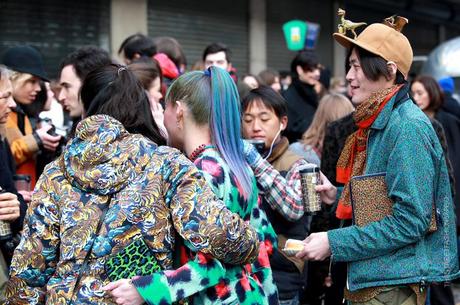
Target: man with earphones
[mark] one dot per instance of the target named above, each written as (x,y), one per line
(264,118)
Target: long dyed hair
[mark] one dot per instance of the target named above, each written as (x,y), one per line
(212,98)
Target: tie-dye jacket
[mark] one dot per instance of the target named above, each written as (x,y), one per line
(206,279)
(155,192)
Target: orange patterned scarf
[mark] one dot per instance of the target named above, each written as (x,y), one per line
(352,160)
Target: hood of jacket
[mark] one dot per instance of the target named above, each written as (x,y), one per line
(103,156)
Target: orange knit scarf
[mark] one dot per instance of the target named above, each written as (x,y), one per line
(352,161)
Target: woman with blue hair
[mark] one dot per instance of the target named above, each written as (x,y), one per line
(202,117)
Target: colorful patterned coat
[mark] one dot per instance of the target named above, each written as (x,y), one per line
(207,280)
(156,193)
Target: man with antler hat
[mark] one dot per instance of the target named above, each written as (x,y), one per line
(393,257)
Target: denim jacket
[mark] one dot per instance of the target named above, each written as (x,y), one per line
(398,249)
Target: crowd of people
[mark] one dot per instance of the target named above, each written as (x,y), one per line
(137,181)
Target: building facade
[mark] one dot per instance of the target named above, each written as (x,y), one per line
(251,28)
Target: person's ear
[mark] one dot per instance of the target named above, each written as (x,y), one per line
(392,68)
(283,122)
(179,115)
(299,70)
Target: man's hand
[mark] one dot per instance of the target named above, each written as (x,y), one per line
(326,190)
(9,207)
(26,195)
(316,247)
(49,142)
(123,292)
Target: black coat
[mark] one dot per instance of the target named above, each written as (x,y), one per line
(7,171)
(336,134)
(451,125)
(302,103)
(451,105)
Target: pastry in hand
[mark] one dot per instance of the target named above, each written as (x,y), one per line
(293,246)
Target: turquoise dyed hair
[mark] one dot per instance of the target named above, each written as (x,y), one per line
(212,98)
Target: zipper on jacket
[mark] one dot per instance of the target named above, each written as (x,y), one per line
(422,285)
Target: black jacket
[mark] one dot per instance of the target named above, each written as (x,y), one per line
(302,103)
(286,275)
(7,171)
(451,125)
(451,105)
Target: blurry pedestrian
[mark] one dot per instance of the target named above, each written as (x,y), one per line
(136,46)
(251,80)
(451,103)
(301,95)
(73,70)
(270,77)
(331,108)
(148,72)
(25,142)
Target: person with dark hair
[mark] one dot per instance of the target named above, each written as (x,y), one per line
(397,161)
(41,103)
(429,97)
(74,68)
(301,95)
(148,72)
(451,103)
(172,48)
(25,142)
(285,80)
(116,183)
(251,80)
(136,46)
(269,77)
(219,55)
(264,117)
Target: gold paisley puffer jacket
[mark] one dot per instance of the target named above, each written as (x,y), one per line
(155,192)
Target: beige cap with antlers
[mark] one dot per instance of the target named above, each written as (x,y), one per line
(384,40)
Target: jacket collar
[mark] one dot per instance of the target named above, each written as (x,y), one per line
(384,116)
(279,149)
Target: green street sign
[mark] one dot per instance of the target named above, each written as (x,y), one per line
(294,33)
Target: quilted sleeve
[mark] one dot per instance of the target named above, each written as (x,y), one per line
(35,258)
(202,220)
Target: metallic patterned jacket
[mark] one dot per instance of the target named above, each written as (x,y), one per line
(155,192)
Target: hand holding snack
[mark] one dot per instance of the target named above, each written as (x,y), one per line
(293,246)
(316,247)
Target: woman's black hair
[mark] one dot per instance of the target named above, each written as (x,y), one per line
(115,91)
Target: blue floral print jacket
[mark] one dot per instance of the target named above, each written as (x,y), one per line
(155,192)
